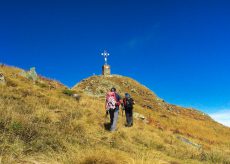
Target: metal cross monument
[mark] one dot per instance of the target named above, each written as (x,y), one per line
(105,54)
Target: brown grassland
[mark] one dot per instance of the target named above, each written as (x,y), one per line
(41,124)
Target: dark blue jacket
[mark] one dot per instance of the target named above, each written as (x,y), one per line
(118,97)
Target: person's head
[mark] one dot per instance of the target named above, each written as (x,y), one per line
(127,95)
(113,89)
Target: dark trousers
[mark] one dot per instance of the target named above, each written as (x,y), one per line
(129,116)
(113,118)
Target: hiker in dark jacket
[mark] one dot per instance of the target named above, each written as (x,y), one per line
(128,103)
(112,106)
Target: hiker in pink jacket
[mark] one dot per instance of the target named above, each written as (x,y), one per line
(112,107)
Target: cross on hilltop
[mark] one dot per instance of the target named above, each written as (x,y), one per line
(105,67)
(105,54)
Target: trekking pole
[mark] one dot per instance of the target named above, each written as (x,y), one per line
(122,108)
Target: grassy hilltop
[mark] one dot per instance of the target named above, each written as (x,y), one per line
(41,123)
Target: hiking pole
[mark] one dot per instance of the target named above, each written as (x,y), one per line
(122,108)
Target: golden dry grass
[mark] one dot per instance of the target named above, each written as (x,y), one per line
(40,124)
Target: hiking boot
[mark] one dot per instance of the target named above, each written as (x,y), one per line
(128,125)
(112,130)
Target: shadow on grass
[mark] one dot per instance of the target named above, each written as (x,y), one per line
(107,126)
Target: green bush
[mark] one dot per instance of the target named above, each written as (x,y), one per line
(16,126)
(68,92)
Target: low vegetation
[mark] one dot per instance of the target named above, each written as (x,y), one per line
(40,124)
(69,92)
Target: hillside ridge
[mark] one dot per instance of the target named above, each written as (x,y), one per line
(41,122)
(99,85)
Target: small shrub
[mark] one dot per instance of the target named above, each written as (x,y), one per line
(68,92)
(16,127)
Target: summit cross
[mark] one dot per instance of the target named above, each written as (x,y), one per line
(105,54)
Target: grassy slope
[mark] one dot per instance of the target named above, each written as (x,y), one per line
(38,123)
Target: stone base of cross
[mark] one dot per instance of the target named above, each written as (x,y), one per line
(106,70)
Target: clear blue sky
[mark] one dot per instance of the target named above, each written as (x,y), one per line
(179,49)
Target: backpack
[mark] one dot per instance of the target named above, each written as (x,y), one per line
(111,100)
(128,103)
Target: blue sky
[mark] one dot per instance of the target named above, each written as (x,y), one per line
(179,49)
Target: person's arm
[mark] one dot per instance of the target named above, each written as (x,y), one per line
(123,104)
(133,102)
